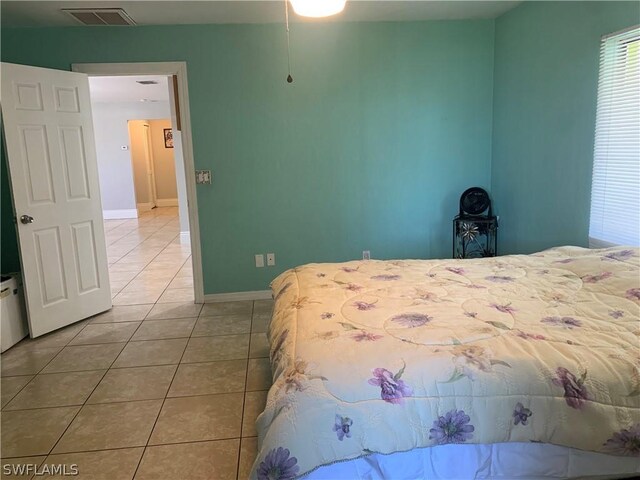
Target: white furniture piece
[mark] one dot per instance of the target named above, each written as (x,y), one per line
(13,321)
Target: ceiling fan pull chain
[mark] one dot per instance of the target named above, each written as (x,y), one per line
(286,17)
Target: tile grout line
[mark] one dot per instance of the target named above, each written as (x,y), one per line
(82,406)
(160,410)
(44,366)
(244,393)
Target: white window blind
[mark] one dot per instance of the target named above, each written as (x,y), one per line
(615,195)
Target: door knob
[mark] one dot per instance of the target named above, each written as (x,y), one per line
(26,219)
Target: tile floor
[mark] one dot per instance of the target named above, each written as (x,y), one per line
(147,261)
(148,390)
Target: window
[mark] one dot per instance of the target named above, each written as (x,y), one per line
(615,195)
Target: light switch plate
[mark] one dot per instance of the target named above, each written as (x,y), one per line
(203,177)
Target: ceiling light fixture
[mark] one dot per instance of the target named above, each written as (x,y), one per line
(317,8)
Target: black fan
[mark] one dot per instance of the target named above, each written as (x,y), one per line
(475,201)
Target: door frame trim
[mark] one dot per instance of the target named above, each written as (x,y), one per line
(180,70)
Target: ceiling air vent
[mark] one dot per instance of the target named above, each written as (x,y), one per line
(100,16)
(147,82)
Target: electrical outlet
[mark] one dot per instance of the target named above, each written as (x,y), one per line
(259,261)
(271,259)
(366,255)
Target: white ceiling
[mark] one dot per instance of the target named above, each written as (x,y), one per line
(126,89)
(151,12)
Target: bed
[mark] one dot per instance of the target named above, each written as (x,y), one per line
(523,366)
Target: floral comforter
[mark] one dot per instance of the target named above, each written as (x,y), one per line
(387,356)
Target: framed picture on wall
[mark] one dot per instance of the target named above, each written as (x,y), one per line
(168,138)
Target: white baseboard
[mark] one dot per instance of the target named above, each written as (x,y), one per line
(117,214)
(237,296)
(144,207)
(185,238)
(167,202)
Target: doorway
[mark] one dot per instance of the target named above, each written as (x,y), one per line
(153,249)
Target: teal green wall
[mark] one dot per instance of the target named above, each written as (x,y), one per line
(385,125)
(546,78)
(9,258)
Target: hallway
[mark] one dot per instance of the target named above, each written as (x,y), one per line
(147,261)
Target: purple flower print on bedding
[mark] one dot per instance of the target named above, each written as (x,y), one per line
(625,442)
(392,388)
(567,322)
(349,269)
(342,427)
(386,277)
(633,294)
(620,255)
(575,391)
(456,270)
(566,260)
(412,320)
(364,306)
(352,287)
(529,336)
(521,414)
(278,465)
(499,278)
(507,308)
(597,277)
(453,427)
(327,315)
(616,314)
(363,336)
(282,291)
(276,350)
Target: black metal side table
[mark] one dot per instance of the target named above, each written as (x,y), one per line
(475,237)
(475,228)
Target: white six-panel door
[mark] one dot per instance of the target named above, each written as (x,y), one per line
(54,181)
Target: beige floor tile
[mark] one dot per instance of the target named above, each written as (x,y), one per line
(209,378)
(254,403)
(161,329)
(10,386)
(126,267)
(209,349)
(182,282)
(84,357)
(248,452)
(17,468)
(121,277)
(227,325)
(259,346)
(105,333)
(136,383)
(57,390)
(135,298)
(228,308)
(174,310)
(123,313)
(258,374)
(217,460)
(260,323)
(110,425)
(192,419)
(118,464)
(26,361)
(261,307)
(151,352)
(59,338)
(34,432)
(172,295)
